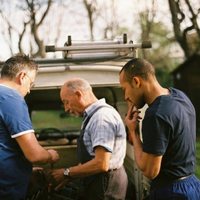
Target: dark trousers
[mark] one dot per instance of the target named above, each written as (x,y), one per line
(107,186)
(187,189)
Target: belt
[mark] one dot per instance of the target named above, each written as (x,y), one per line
(182,178)
(164,181)
(112,170)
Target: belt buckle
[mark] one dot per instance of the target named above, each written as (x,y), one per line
(112,170)
(183,177)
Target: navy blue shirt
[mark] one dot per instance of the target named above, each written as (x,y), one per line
(169,129)
(15,169)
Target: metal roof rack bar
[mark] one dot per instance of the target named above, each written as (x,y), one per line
(145,44)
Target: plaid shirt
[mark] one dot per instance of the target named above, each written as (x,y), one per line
(106,129)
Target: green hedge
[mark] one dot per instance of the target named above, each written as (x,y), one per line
(198,157)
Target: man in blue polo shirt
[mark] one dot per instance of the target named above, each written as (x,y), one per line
(19,147)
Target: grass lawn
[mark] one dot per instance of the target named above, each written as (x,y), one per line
(198,157)
(47,119)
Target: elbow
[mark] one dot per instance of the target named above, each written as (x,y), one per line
(151,169)
(103,166)
(151,174)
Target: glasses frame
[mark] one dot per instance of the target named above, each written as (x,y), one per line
(31,81)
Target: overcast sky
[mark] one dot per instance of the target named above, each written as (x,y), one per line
(75,24)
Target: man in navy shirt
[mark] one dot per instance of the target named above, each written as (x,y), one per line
(19,147)
(166,153)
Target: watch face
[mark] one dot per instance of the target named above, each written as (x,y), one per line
(66,172)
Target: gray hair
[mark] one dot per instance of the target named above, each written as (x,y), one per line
(78,84)
(16,64)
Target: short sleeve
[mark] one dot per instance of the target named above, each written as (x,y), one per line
(155,133)
(103,130)
(103,136)
(16,116)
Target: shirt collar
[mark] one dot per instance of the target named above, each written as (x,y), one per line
(93,106)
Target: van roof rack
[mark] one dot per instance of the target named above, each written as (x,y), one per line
(98,51)
(92,52)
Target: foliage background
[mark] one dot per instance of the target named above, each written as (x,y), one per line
(172,26)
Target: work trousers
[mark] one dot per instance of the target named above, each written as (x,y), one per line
(111,185)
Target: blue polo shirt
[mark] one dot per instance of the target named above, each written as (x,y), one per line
(15,169)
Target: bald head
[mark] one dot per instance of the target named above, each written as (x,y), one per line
(76,95)
(76,84)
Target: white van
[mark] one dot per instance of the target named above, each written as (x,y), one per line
(100,64)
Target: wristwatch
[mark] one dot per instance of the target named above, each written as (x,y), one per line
(66,172)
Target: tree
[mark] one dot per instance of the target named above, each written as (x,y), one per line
(102,15)
(7,31)
(111,26)
(185,23)
(34,11)
(91,7)
(35,22)
(157,32)
(146,21)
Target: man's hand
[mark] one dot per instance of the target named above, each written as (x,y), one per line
(54,155)
(132,118)
(62,184)
(132,122)
(58,179)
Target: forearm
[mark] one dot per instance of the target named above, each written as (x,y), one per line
(89,168)
(149,164)
(79,171)
(100,163)
(38,154)
(33,151)
(138,152)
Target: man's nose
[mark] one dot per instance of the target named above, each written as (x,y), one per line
(126,98)
(66,108)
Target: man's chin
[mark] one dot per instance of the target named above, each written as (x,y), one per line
(141,106)
(76,114)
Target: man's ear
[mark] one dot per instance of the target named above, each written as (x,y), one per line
(20,77)
(136,82)
(78,93)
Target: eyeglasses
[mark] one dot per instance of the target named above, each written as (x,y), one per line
(31,81)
